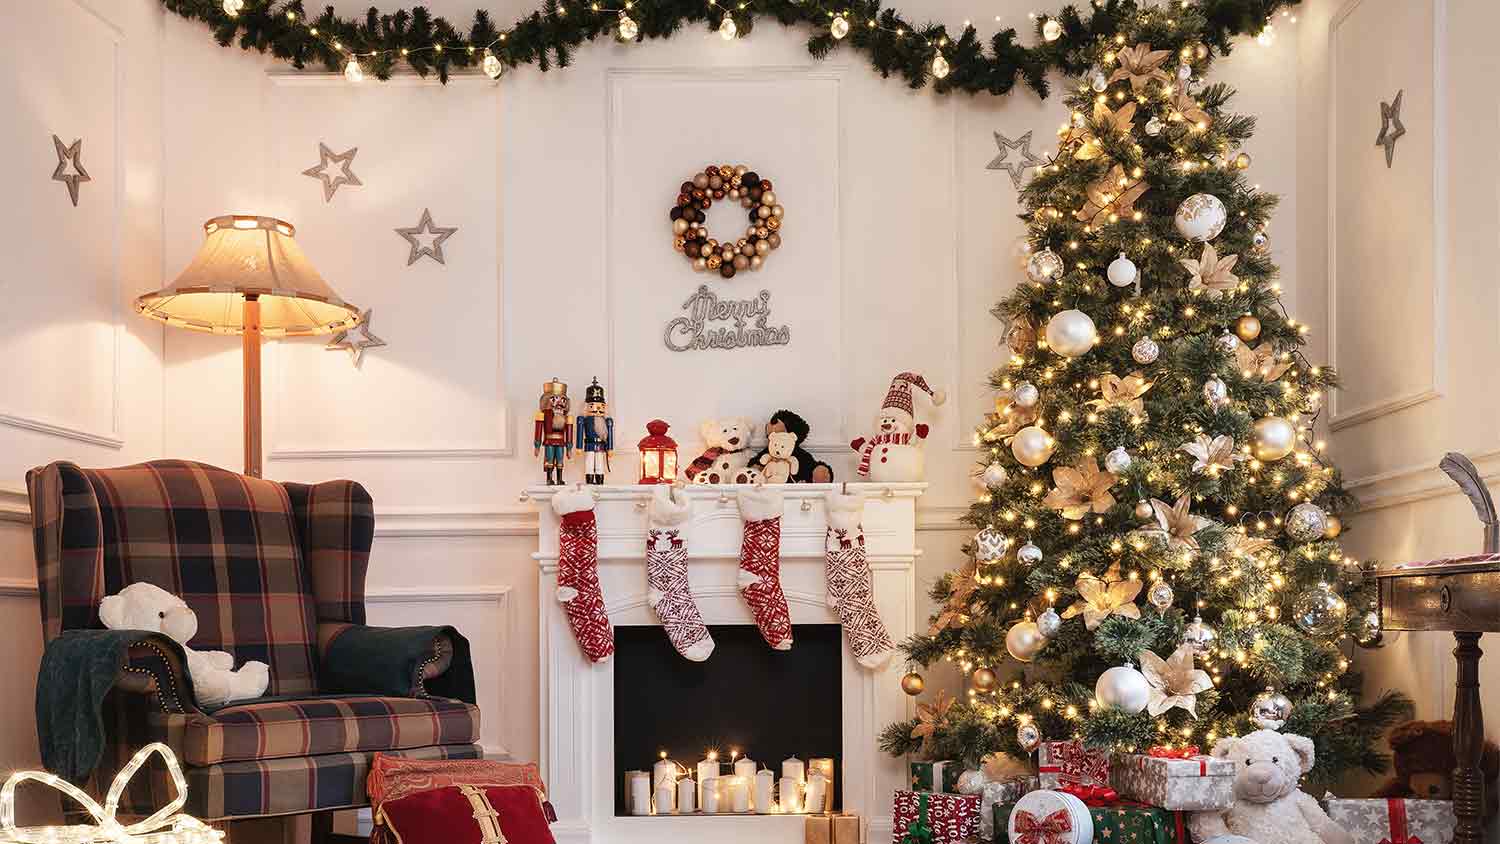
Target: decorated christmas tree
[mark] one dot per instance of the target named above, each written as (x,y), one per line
(1155,560)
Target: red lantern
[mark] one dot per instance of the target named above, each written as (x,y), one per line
(658,455)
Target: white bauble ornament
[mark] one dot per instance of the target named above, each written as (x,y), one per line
(1024,641)
(994,474)
(1319,611)
(1306,522)
(1228,342)
(1044,266)
(1029,736)
(232,7)
(1160,595)
(1117,461)
(1025,394)
(728,28)
(971,782)
(1043,804)
(629,29)
(1071,333)
(493,68)
(1184,72)
(1029,554)
(1122,271)
(839,28)
(1272,438)
(939,66)
(1049,622)
(1201,217)
(1370,633)
(1270,709)
(1199,636)
(1031,446)
(1145,351)
(990,545)
(1098,81)
(1051,30)
(1123,688)
(1216,393)
(1153,126)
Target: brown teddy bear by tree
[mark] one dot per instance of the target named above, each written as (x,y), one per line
(1424,763)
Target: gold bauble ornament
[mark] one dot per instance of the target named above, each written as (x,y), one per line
(1272,438)
(1143,509)
(984,679)
(1334,528)
(1247,328)
(913,684)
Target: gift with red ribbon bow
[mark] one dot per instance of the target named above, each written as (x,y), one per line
(1180,779)
(1092,795)
(1061,763)
(1394,820)
(935,818)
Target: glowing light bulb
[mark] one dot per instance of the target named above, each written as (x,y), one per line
(939,66)
(727,29)
(628,27)
(839,28)
(491,65)
(353,72)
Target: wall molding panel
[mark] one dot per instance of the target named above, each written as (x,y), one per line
(1417,481)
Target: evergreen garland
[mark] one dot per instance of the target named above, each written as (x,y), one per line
(428,43)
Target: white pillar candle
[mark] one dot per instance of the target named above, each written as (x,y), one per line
(639,792)
(745,769)
(824,766)
(817,788)
(664,771)
(764,785)
(710,790)
(686,788)
(707,769)
(739,794)
(793,767)
(791,795)
(665,799)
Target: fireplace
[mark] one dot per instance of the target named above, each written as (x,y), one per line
(588,711)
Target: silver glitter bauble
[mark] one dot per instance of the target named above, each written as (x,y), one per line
(1123,688)
(1117,460)
(1122,271)
(1160,595)
(1216,393)
(971,782)
(994,474)
(1199,636)
(1306,522)
(1024,641)
(1098,81)
(1029,554)
(1184,72)
(629,29)
(1145,351)
(1049,622)
(1143,509)
(1032,446)
(1228,342)
(1272,438)
(1029,736)
(1153,126)
(990,545)
(1319,611)
(1260,240)
(1201,217)
(839,28)
(1370,633)
(1270,709)
(1051,30)
(1044,266)
(1025,394)
(1071,333)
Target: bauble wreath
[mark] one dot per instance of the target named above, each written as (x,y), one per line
(754,193)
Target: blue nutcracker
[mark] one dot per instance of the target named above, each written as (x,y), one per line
(594,434)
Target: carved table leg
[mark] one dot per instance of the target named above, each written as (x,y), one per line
(1468,742)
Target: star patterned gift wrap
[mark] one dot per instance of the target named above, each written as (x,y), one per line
(1006,791)
(937,777)
(953,818)
(1393,820)
(1063,763)
(1116,823)
(1184,782)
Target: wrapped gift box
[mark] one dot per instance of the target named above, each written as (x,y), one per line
(832,829)
(953,818)
(1063,763)
(1006,791)
(1393,820)
(1184,782)
(937,777)
(1116,823)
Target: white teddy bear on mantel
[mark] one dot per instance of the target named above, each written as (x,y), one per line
(145,606)
(1268,807)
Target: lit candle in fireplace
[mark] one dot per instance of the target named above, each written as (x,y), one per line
(739,793)
(791,795)
(665,795)
(708,768)
(710,789)
(664,771)
(792,767)
(817,787)
(639,783)
(685,790)
(764,801)
(744,770)
(824,766)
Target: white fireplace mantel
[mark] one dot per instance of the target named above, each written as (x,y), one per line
(577,704)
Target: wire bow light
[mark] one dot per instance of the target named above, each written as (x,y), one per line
(163,827)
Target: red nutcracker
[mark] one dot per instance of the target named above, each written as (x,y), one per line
(552,438)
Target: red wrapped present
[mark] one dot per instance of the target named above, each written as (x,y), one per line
(951,818)
(1069,763)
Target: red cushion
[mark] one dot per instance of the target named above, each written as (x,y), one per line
(469,814)
(392,777)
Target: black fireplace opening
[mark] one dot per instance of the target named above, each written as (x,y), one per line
(767,704)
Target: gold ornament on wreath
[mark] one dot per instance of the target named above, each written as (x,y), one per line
(735,183)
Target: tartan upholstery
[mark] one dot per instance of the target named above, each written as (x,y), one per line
(276,729)
(336,524)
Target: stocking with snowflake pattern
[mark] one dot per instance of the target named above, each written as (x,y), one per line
(851,590)
(667,576)
(578,574)
(760,565)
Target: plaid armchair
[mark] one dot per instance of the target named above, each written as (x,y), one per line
(276,573)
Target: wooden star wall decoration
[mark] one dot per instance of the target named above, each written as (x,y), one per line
(1391,127)
(70,166)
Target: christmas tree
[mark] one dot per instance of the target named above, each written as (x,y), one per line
(1156,559)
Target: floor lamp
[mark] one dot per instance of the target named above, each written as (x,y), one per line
(250,278)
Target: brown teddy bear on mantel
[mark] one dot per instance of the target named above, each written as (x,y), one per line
(1423,756)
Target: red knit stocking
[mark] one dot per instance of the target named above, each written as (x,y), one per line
(850,588)
(667,577)
(578,574)
(760,565)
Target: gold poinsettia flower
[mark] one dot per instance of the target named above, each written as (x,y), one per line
(1212,273)
(1237,543)
(1103,597)
(1113,194)
(1213,454)
(1140,64)
(1262,362)
(1175,681)
(1080,489)
(1176,524)
(1189,109)
(932,717)
(1120,120)
(1006,421)
(1123,392)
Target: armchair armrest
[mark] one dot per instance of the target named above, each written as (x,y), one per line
(395,661)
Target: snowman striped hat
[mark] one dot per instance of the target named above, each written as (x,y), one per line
(898,397)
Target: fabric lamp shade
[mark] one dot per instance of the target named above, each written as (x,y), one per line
(250,256)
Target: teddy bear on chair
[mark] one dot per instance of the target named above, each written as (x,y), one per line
(145,606)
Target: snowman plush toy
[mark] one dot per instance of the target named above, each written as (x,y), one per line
(893,454)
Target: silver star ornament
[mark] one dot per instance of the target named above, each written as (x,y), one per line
(332,181)
(355,340)
(70,166)
(1391,127)
(1017,169)
(433,235)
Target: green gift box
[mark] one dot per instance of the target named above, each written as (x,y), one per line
(1114,823)
(936,777)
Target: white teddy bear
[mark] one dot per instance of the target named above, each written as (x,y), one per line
(144,606)
(726,460)
(1268,807)
(780,463)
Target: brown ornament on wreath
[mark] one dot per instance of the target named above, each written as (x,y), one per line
(726,182)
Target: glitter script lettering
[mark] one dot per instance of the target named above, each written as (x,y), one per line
(714,323)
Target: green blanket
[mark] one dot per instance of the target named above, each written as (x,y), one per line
(387,661)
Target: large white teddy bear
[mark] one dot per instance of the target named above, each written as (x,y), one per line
(1268,807)
(144,606)
(893,454)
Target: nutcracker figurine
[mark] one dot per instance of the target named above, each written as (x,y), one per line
(595,434)
(553,438)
